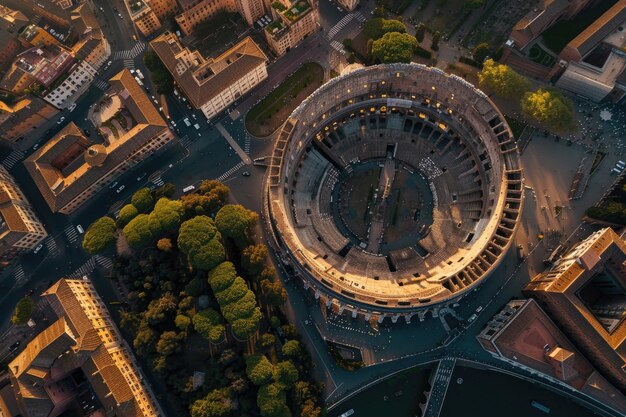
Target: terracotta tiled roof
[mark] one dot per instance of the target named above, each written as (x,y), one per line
(600,29)
(201,79)
(59,188)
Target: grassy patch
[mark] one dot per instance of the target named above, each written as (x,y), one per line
(516,125)
(596,161)
(564,31)
(538,55)
(269,114)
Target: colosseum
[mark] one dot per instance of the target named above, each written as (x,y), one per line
(394,190)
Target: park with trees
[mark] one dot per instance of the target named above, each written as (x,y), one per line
(202,305)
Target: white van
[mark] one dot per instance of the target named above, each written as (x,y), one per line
(197,126)
(187,122)
(189,188)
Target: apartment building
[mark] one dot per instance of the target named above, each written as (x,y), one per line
(80,362)
(584,293)
(91,52)
(194,12)
(212,84)
(69,169)
(148,14)
(10,23)
(20,229)
(20,119)
(292,22)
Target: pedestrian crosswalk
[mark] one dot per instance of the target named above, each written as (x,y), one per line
(19,273)
(84,269)
(340,25)
(158,181)
(51,245)
(13,158)
(185,141)
(36,19)
(338,47)
(101,84)
(246,146)
(359,17)
(104,262)
(130,53)
(129,63)
(70,232)
(230,172)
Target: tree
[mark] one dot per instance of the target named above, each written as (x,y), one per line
(166,216)
(142,200)
(233,293)
(166,190)
(267,340)
(259,369)
(100,235)
(217,403)
(253,258)
(550,108)
(481,52)
(236,222)
(474,4)
(210,196)
(274,293)
(502,80)
(160,308)
(244,328)
(291,348)
(165,244)
(23,311)
(169,342)
(137,231)
(394,47)
(434,45)
(420,31)
(285,373)
(127,213)
(222,276)
(310,409)
(208,324)
(196,287)
(182,322)
(144,339)
(376,27)
(199,239)
(271,400)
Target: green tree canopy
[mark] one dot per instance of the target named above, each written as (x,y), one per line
(100,235)
(127,213)
(234,293)
(200,241)
(208,324)
(376,27)
(169,342)
(138,231)
(394,47)
(23,311)
(420,31)
(217,403)
(222,276)
(160,308)
(502,80)
(273,292)
(285,373)
(550,108)
(210,196)
(244,328)
(196,287)
(144,339)
(253,259)
(142,200)
(236,222)
(259,369)
(271,400)
(182,322)
(480,52)
(474,4)
(291,348)
(165,244)
(166,216)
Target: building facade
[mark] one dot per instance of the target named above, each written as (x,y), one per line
(69,169)
(291,24)
(83,344)
(20,229)
(212,84)
(583,292)
(20,120)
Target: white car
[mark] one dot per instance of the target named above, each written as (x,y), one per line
(61,120)
(197,126)
(72,107)
(119,190)
(38,248)
(80,229)
(35,146)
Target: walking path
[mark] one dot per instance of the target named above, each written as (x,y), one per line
(233,143)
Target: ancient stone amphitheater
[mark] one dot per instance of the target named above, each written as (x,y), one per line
(405,119)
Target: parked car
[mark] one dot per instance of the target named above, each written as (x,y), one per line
(61,120)
(38,248)
(80,229)
(14,346)
(112,186)
(246,174)
(29,292)
(119,190)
